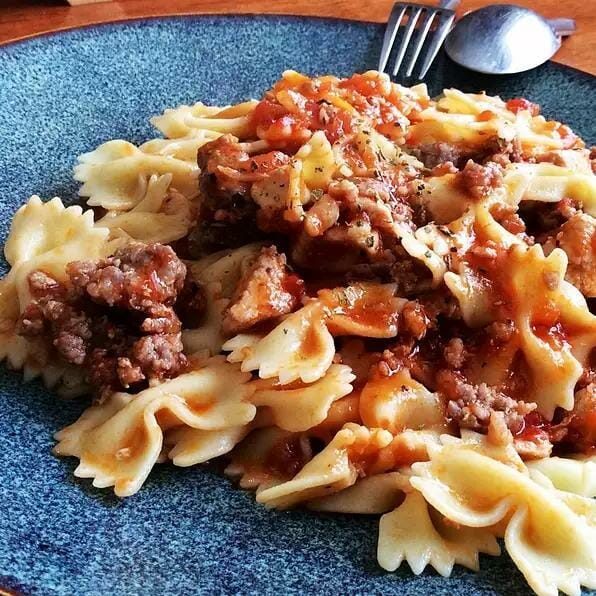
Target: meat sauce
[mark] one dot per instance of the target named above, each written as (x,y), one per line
(371,306)
(326,104)
(287,457)
(115,318)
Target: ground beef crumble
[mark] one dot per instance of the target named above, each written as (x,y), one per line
(471,406)
(480,180)
(115,317)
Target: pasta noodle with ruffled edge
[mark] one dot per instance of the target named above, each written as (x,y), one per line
(575,474)
(191,446)
(381,490)
(318,162)
(368,496)
(555,369)
(410,533)
(116,174)
(454,119)
(184,148)
(179,122)
(44,236)
(300,408)
(548,183)
(163,215)
(119,441)
(362,309)
(249,459)
(543,182)
(472,295)
(329,471)
(300,347)
(551,544)
(398,402)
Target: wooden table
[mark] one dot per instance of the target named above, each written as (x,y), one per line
(25,18)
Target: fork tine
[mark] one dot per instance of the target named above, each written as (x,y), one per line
(397,14)
(445,22)
(425,24)
(412,18)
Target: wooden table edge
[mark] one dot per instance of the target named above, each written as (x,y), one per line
(122,18)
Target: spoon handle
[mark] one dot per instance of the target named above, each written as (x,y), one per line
(449,4)
(562,27)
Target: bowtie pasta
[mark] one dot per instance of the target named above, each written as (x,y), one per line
(367,300)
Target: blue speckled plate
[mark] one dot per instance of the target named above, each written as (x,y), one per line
(188,531)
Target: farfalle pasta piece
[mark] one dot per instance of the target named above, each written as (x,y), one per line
(32,357)
(409,533)
(225,267)
(300,347)
(162,215)
(116,174)
(297,195)
(318,161)
(218,274)
(331,470)
(550,543)
(407,447)
(443,199)
(441,127)
(470,290)
(119,440)
(473,119)
(504,452)
(540,301)
(420,251)
(179,122)
(258,462)
(370,495)
(554,366)
(184,148)
(54,230)
(549,183)
(576,160)
(398,402)
(363,309)
(576,475)
(299,407)
(455,101)
(43,236)
(194,446)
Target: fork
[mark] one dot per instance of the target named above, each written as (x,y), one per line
(443,15)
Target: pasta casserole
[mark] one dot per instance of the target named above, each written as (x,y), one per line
(366,300)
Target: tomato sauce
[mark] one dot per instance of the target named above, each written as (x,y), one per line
(372,306)
(294,285)
(292,110)
(535,428)
(520,103)
(286,457)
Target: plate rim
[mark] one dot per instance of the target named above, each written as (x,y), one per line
(12,43)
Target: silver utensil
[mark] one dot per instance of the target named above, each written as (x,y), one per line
(505,39)
(409,15)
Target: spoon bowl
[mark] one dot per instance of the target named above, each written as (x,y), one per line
(502,39)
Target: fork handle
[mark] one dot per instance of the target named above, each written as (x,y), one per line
(563,27)
(449,4)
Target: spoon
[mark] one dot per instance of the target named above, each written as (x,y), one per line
(505,39)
